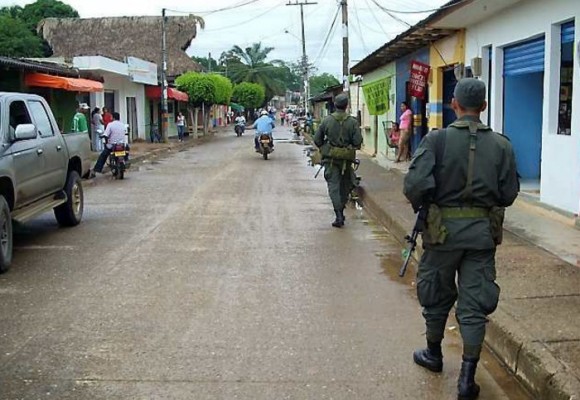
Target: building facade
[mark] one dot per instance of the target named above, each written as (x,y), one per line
(529,57)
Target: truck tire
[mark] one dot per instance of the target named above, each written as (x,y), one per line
(5,236)
(71,212)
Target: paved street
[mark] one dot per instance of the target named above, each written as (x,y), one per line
(213,274)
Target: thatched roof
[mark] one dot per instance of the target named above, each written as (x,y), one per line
(121,37)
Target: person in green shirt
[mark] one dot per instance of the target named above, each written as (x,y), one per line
(80,120)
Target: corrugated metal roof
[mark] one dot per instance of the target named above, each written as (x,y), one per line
(46,67)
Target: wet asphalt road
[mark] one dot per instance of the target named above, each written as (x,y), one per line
(213,274)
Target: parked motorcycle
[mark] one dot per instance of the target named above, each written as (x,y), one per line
(265,146)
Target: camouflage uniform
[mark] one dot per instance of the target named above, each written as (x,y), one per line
(338,130)
(467,175)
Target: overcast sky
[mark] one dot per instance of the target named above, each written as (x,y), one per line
(267,21)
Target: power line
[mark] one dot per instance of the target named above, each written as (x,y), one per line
(357,29)
(376,20)
(328,35)
(238,24)
(232,7)
(389,10)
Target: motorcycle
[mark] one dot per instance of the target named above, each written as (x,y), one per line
(265,146)
(239,129)
(118,159)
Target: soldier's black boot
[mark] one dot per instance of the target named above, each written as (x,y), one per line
(467,389)
(339,221)
(430,358)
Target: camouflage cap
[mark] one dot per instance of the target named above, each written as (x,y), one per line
(470,93)
(341,101)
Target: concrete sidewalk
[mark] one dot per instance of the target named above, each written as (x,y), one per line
(536,329)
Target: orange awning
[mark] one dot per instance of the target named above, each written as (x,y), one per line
(60,82)
(172,93)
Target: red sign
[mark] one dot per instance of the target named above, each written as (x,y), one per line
(418,81)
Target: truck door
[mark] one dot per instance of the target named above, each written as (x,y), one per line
(27,157)
(52,144)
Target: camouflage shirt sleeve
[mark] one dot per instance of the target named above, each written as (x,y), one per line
(419,183)
(357,138)
(320,134)
(509,183)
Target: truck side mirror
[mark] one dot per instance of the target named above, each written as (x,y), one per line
(25,132)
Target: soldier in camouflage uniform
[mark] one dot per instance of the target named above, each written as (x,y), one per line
(466,176)
(338,138)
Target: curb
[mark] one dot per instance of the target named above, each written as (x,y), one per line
(531,362)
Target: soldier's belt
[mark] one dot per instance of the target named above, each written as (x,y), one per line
(464,212)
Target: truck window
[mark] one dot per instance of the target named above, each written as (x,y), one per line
(41,118)
(18,115)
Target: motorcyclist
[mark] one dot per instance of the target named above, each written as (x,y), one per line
(115,134)
(241,122)
(264,126)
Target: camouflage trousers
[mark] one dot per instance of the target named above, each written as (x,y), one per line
(476,293)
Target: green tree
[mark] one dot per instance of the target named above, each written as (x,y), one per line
(251,65)
(13,11)
(206,62)
(16,40)
(249,95)
(319,83)
(205,90)
(35,12)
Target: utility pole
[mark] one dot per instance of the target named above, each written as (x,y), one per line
(304,63)
(164,107)
(209,62)
(345,53)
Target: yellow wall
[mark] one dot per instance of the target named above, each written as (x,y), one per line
(445,52)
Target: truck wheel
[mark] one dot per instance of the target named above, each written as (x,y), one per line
(71,212)
(5,236)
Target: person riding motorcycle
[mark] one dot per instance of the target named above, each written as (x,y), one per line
(241,122)
(115,134)
(264,126)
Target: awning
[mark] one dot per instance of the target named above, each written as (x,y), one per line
(172,93)
(61,82)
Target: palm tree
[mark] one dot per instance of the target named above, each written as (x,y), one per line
(250,65)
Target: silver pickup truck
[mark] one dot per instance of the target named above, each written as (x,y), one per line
(40,168)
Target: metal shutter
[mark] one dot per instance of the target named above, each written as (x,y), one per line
(568,32)
(525,58)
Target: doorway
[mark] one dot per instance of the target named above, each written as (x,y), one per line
(524,104)
(132,118)
(449,83)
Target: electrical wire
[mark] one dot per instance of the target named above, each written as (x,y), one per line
(206,13)
(389,10)
(236,25)
(328,35)
(357,28)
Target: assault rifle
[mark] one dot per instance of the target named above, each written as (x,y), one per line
(412,238)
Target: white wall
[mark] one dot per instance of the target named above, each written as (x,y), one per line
(124,88)
(560,168)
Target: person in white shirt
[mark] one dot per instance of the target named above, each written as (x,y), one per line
(115,133)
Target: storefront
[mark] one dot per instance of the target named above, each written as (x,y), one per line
(529,58)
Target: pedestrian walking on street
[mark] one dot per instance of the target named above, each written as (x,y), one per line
(180,126)
(338,138)
(464,176)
